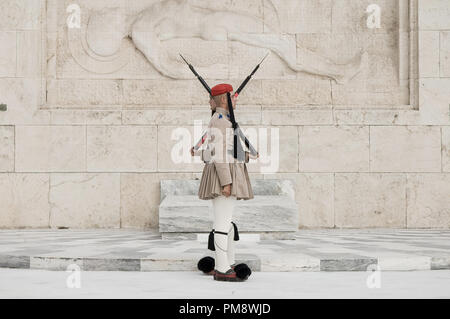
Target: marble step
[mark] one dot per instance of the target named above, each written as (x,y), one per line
(264,213)
(244,236)
(311,250)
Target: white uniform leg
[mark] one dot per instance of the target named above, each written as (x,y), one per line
(223,213)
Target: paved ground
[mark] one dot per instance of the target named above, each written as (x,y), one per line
(21,283)
(312,250)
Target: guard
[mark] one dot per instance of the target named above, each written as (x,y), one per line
(224,181)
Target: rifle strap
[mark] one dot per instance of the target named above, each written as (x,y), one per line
(238,151)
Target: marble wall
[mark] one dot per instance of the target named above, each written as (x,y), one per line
(86,137)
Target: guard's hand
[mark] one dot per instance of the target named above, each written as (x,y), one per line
(226,190)
(192,151)
(250,156)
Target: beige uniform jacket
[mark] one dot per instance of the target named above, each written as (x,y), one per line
(218,152)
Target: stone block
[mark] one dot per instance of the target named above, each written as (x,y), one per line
(23,99)
(81,200)
(314,196)
(20,262)
(297,262)
(158,92)
(445,54)
(85,117)
(366,92)
(347,264)
(404,262)
(20,14)
(363,116)
(121,148)
(170,263)
(405,149)
(25,200)
(8,54)
(316,91)
(334,149)
(85,93)
(321,115)
(315,199)
(428,201)
(140,198)
(370,200)
(50,148)
(434,97)
(446,149)
(111,264)
(29,55)
(429,54)
(433,15)
(439,263)
(158,116)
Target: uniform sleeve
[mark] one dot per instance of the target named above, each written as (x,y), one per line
(221,164)
(204,152)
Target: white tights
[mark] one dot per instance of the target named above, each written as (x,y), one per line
(224,245)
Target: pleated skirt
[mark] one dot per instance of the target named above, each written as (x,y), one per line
(210,183)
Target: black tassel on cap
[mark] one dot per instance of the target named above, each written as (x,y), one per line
(236,232)
(211,241)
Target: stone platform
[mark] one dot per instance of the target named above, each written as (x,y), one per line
(272,214)
(310,250)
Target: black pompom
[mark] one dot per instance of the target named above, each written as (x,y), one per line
(242,271)
(206,264)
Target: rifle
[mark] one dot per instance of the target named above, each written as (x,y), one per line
(241,87)
(236,94)
(249,77)
(205,85)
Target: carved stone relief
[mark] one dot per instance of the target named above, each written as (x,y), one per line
(225,39)
(102,38)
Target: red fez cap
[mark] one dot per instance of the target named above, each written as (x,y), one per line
(221,89)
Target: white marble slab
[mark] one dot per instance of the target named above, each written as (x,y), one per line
(187,213)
